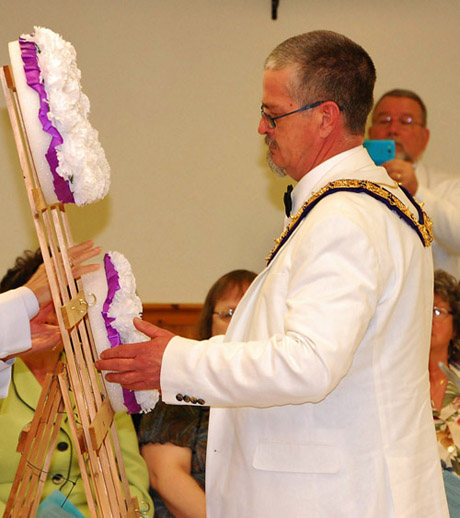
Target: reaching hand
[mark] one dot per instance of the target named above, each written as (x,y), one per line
(80,253)
(44,335)
(137,366)
(38,283)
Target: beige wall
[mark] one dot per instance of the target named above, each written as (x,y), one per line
(175,88)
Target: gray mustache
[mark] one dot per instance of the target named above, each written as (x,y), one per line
(270,142)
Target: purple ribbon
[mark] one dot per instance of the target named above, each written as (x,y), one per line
(32,71)
(113,335)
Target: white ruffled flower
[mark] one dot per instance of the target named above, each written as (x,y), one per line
(125,306)
(82,161)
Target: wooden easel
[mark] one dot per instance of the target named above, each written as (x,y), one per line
(90,414)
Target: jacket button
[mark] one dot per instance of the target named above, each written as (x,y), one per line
(187,399)
(62,446)
(193,400)
(201,401)
(179,397)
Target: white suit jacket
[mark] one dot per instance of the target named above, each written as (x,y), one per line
(440,193)
(17,307)
(320,391)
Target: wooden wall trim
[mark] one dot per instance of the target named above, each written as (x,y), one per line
(181,319)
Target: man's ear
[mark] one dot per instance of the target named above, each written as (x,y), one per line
(426,137)
(330,117)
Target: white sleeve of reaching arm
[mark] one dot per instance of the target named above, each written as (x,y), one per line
(17,307)
(5,377)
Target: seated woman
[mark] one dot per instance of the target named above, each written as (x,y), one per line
(445,348)
(174,438)
(17,409)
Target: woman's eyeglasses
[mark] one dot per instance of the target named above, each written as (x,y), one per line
(440,313)
(225,314)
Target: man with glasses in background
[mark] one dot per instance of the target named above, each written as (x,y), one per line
(401,115)
(319,390)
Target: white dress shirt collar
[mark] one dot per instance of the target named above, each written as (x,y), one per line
(306,185)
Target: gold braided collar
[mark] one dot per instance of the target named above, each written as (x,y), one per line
(423,225)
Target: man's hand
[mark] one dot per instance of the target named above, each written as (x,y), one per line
(137,366)
(402,172)
(38,283)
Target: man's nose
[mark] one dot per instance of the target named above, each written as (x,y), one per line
(394,127)
(264,127)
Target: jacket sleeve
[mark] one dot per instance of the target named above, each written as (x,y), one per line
(17,307)
(324,296)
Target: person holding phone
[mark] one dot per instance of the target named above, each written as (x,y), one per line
(401,115)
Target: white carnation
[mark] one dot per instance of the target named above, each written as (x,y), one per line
(82,161)
(126,305)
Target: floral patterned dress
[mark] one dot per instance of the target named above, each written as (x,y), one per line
(447,425)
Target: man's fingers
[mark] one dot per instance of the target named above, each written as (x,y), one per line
(140,385)
(120,358)
(130,364)
(122,377)
(130,380)
(148,328)
(159,336)
(124,351)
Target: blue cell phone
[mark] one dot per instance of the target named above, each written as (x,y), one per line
(380,150)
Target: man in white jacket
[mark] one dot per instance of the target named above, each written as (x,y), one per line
(401,115)
(319,391)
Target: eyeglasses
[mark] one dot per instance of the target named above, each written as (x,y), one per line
(271,120)
(405,121)
(440,313)
(225,314)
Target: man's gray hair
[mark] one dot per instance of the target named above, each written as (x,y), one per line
(329,67)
